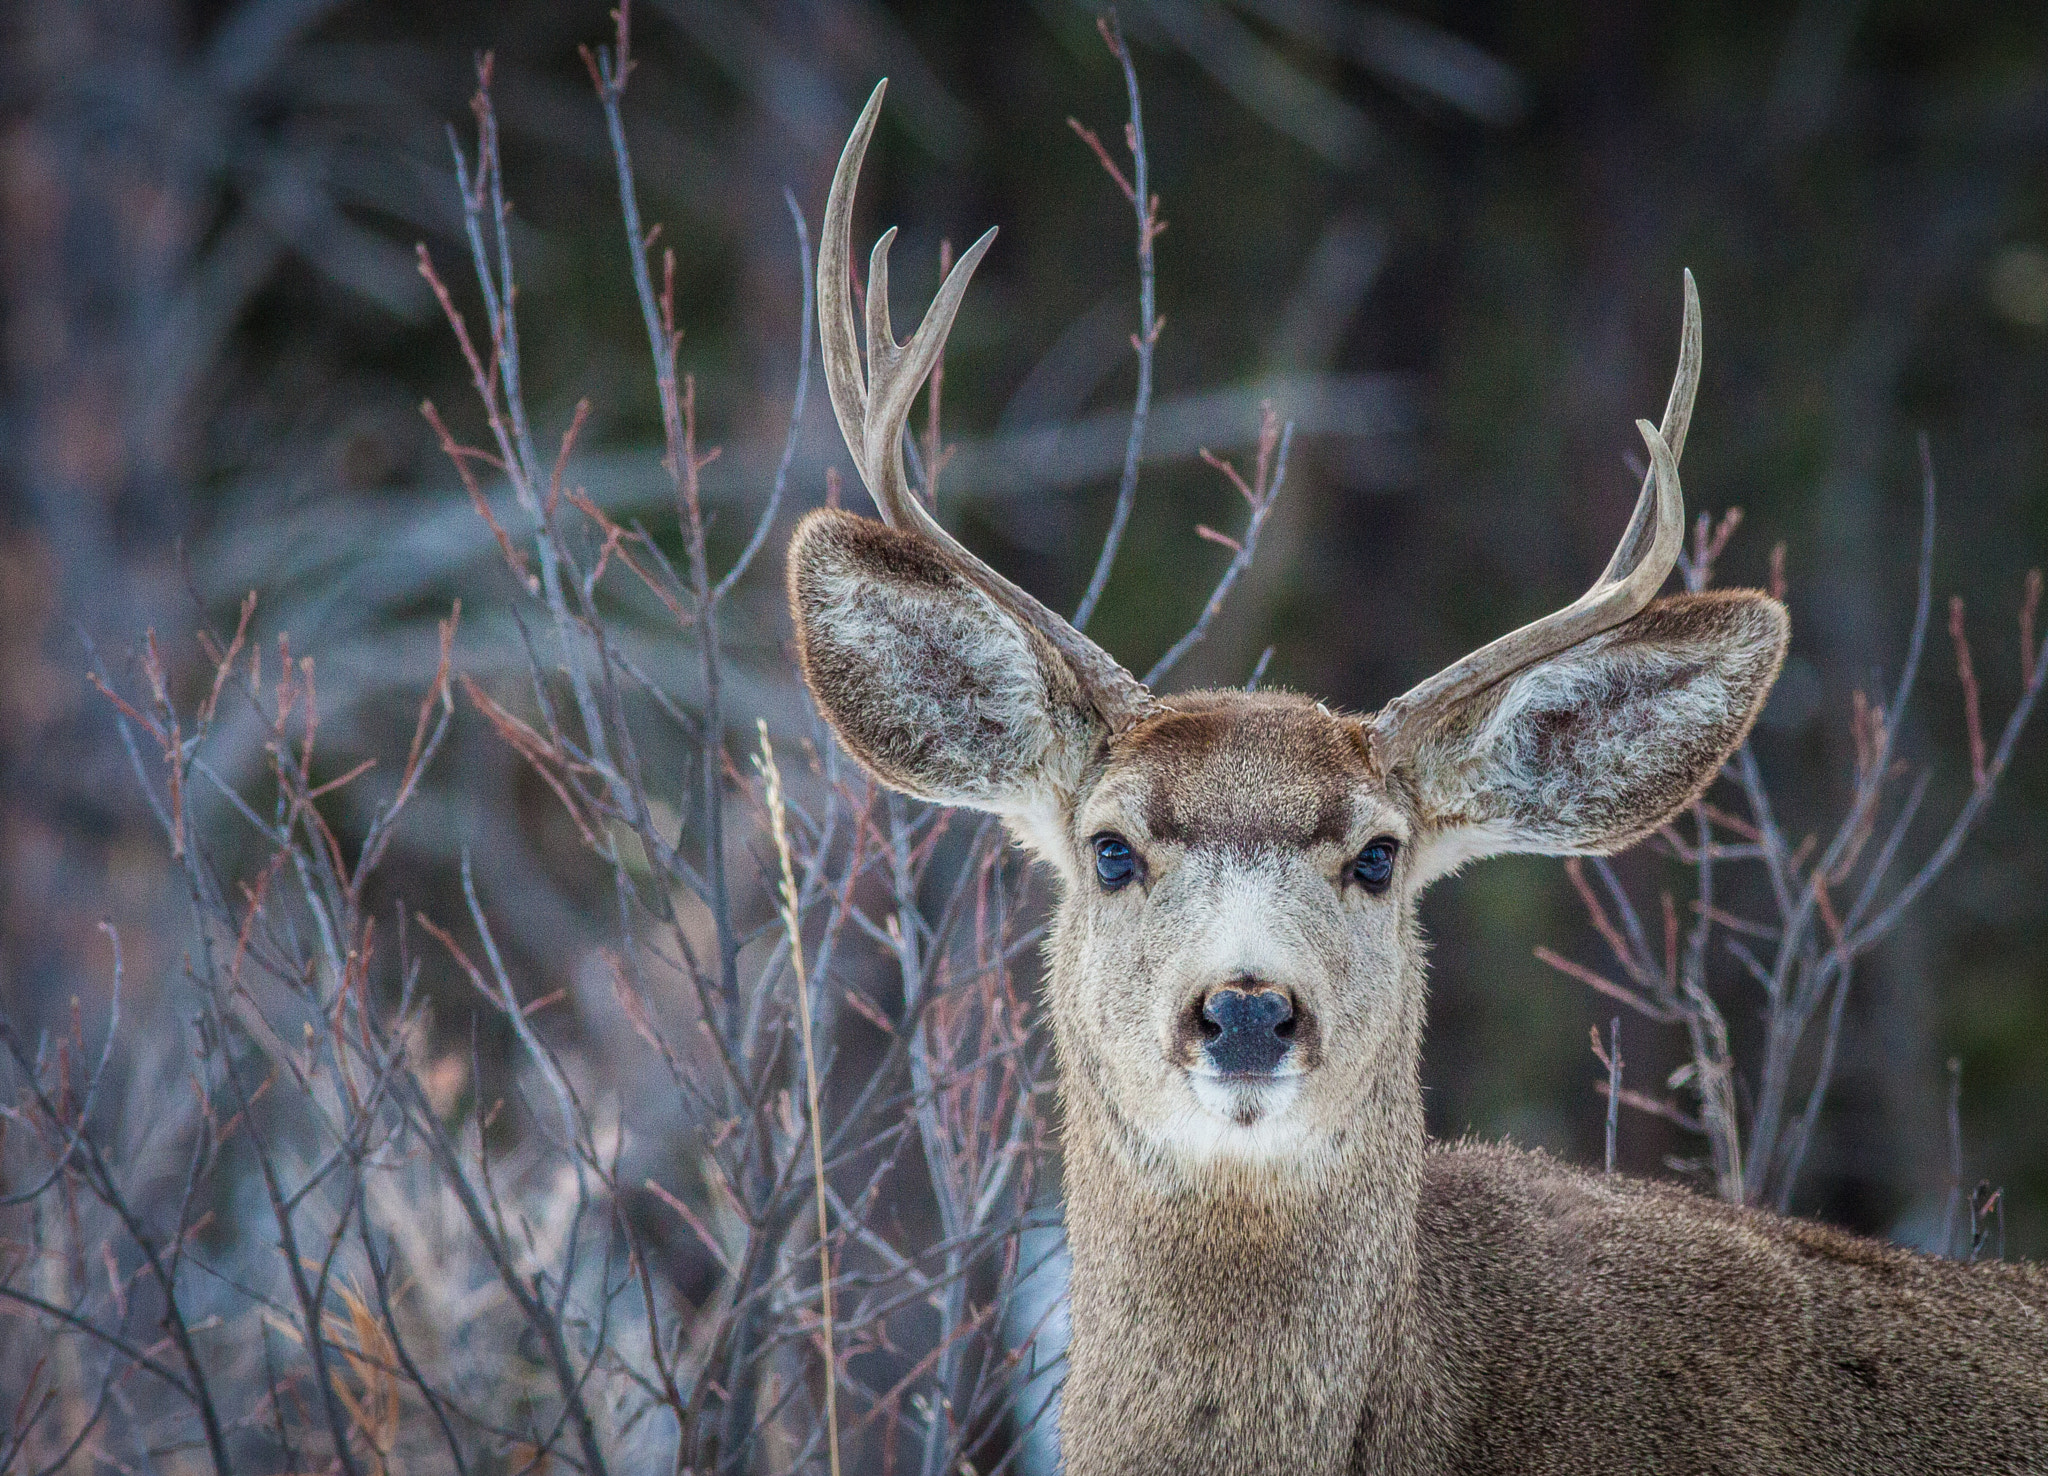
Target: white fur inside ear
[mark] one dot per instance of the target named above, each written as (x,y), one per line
(929,683)
(1440,853)
(1596,746)
(1568,734)
(1039,825)
(959,673)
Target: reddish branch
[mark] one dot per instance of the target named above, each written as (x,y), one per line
(1827,900)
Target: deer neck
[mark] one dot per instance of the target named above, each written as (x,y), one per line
(1244,1319)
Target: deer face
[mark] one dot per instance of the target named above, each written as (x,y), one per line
(1233,931)
(1235,961)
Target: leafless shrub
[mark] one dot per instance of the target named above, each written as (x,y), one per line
(1826,906)
(765,1210)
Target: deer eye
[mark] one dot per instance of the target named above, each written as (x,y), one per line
(1374,867)
(1115,862)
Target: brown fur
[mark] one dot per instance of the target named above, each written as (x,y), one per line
(1301,1283)
(1576,1323)
(1534,1319)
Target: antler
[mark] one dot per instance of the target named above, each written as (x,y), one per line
(1630,581)
(873,405)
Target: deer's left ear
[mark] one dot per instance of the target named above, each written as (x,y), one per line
(1589,750)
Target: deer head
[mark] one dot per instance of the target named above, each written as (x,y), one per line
(1236,964)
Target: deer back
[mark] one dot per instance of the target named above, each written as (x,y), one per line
(1582,1322)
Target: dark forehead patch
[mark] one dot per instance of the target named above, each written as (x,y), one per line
(1244,771)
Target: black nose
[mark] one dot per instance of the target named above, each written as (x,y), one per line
(1246,1031)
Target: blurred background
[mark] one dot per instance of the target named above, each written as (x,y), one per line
(1446,240)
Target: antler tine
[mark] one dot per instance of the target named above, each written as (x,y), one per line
(1647,522)
(897,371)
(1641,562)
(872,405)
(845,379)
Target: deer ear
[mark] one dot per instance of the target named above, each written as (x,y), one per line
(1589,750)
(927,681)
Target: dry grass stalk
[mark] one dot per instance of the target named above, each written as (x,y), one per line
(792,921)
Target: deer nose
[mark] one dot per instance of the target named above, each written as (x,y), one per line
(1247,1028)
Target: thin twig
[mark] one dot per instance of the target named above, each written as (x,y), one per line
(1261,493)
(1138,190)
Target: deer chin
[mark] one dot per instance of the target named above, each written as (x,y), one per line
(1247,1120)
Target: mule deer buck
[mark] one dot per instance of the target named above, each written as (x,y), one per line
(1273,1269)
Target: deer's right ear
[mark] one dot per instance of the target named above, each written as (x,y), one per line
(935,688)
